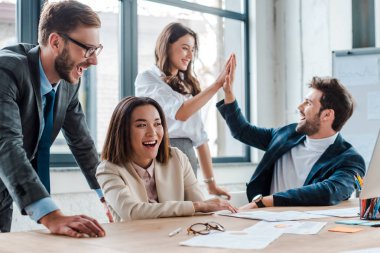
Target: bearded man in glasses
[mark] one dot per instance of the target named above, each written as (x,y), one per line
(39,97)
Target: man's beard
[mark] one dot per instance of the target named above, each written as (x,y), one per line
(64,65)
(309,127)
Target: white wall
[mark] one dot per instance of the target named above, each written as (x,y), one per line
(295,40)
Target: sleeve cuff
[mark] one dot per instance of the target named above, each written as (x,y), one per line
(40,208)
(226,109)
(189,208)
(99,192)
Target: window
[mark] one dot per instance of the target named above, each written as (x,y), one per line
(220,33)
(230,5)
(100,90)
(128,34)
(7,22)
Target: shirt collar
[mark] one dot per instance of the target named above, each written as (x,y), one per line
(161,74)
(46,86)
(141,171)
(158,71)
(320,144)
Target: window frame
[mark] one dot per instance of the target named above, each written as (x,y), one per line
(27,18)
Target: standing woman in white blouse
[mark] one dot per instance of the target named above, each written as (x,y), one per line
(171,82)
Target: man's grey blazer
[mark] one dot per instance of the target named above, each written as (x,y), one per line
(20,122)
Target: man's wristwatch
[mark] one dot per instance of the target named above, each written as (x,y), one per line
(258,199)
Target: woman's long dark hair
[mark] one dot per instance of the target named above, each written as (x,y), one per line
(184,80)
(117,145)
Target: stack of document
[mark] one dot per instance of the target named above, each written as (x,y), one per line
(289,227)
(257,236)
(272,216)
(343,212)
(369,250)
(272,226)
(234,240)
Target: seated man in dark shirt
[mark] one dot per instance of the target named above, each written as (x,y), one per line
(308,163)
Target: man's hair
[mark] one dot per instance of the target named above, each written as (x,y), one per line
(64,17)
(336,97)
(117,145)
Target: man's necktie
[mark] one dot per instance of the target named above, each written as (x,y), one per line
(43,153)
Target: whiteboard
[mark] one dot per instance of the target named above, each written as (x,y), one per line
(359,71)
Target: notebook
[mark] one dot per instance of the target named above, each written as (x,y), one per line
(371,183)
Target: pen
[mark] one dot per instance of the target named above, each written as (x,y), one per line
(174,232)
(360,179)
(357,184)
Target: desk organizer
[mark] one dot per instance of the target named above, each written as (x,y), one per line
(369,209)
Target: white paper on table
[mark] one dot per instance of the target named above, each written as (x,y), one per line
(369,250)
(234,240)
(342,212)
(273,216)
(289,227)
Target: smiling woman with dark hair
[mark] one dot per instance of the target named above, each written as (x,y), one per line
(141,177)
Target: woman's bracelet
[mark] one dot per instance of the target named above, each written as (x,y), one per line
(209,180)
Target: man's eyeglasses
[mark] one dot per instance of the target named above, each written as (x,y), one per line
(204,228)
(89,50)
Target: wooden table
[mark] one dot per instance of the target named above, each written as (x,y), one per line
(152,236)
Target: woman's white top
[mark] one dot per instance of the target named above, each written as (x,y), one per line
(150,84)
